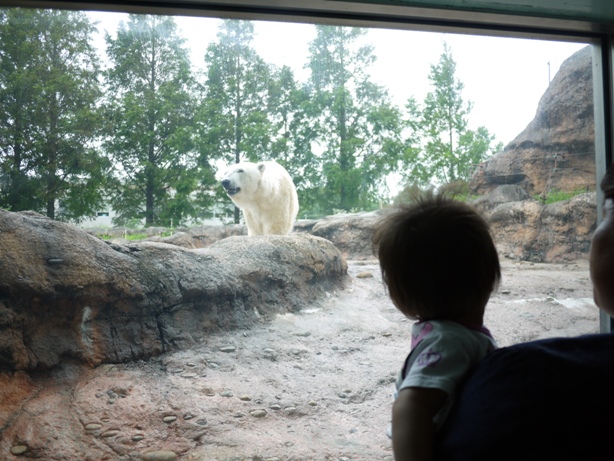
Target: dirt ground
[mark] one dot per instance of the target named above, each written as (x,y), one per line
(330,369)
(315,385)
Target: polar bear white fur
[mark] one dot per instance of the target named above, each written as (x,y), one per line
(265,193)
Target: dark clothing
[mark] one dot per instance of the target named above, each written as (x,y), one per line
(544,400)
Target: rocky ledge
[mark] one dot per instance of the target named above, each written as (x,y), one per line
(65,294)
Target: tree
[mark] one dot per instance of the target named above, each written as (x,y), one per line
(49,117)
(358,126)
(448,151)
(233,117)
(150,128)
(291,112)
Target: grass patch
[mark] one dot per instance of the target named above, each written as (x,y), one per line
(133,237)
(558,196)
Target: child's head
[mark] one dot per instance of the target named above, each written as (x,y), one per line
(602,250)
(438,259)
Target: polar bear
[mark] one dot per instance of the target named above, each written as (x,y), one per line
(265,193)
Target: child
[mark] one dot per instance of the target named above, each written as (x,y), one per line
(546,399)
(440,265)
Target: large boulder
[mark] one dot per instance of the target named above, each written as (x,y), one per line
(186,237)
(67,294)
(523,227)
(502,194)
(201,236)
(556,151)
(558,232)
(351,233)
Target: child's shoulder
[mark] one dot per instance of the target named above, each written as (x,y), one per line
(445,326)
(449,332)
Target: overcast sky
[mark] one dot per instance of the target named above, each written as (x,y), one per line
(504,78)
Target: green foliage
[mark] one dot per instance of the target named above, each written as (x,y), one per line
(291,111)
(154,141)
(131,237)
(458,190)
(358,129)
(233,120)
(49,120)
(407,194)
(558,196)
(134,237)
(150,129)
(234,113)
(440,149)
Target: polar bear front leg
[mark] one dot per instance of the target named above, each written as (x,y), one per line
(254,226)
(277,228)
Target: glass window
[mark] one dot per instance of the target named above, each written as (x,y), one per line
(140,115)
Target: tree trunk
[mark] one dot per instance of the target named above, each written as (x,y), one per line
(238,129)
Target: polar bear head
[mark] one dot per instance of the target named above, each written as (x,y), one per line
(242,179)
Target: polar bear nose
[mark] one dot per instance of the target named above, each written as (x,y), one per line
(225,183)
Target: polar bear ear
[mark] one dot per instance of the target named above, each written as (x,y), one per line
(261,167)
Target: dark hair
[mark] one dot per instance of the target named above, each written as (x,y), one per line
(437,257)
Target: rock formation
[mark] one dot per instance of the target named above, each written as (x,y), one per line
(523,227)
(529,231)
(201,236)
(186,237)
(556,151)
(350,233)
(67,294)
